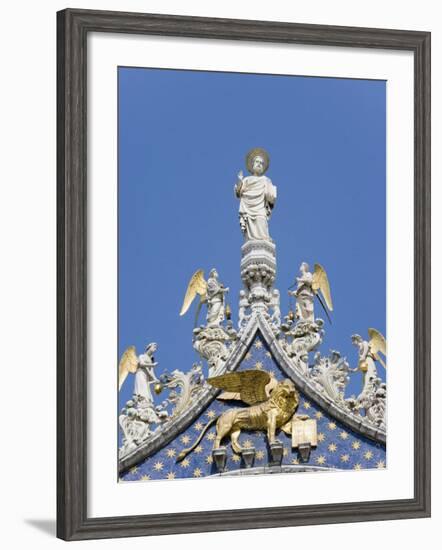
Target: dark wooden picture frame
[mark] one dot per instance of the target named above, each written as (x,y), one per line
(73,27)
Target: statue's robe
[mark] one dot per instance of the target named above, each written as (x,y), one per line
(257,197)
(368,368)
(215,313)
(144,377)
(305,298)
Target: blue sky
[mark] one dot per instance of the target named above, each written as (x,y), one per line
(183,136)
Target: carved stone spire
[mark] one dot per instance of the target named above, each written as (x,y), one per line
(258,272)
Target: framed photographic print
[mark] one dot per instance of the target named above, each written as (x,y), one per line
(243,274)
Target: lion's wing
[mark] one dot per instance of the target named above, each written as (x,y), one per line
(250,384)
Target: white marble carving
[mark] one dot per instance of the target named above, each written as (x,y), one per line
(244,309)
(136,420)
(215,300)
(331,375)
(213,344)
(275,316)
(301,338)
(304,295)
(257,196)
(366,365)
(258,272)
(188,384)
(145,375)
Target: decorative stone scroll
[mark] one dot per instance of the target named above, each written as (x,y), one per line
(300,339)
(331,375)
(213,344)
(139,419)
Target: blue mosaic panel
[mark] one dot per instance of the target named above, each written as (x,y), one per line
(338,447)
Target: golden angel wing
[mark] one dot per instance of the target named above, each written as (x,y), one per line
(250,384)
(128,363)
(320,283)
(197,285)
(377,344)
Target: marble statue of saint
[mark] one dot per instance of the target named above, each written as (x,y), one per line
(215,299)
(145,376)
(257,196)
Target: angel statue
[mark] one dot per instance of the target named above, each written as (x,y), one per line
(211,292)
(272,405)
(143,368)
(257,196)
(369,353)
(308,286)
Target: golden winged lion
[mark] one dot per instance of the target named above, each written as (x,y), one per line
(272,405)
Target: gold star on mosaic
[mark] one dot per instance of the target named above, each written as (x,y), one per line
(185,463)
(318,415)
(380,464)
(248,356)
(357,467)
(332,447)
(258,344)
(285,452)
(209,459)
(306,405)
(368,455)
(185,439)
(197,472)
(170,453)
(295,461)
(145,478)
(236,458)
(211,436)
(171,475)
(343,435)
(268,354)
(198,449)
(158,466)
(133,470)
(345,458)
(199,426)
(356,445)
(321,437)
(259,365)
(320,459)
(331,426)
(247,444)
(210,414)
(259,455)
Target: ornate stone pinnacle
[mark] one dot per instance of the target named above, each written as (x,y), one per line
(258,272)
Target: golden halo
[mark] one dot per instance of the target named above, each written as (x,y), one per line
(257,152)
